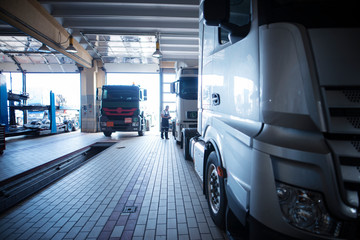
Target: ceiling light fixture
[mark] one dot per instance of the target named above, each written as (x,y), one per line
(71,48)
(44,48)
(157,53)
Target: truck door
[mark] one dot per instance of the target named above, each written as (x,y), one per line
(207,37)
(235,61)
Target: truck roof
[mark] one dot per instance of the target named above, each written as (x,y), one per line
(187,72)
(120,86)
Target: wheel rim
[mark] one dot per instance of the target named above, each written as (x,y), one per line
(213,189)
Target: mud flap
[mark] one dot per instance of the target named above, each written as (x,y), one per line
(234,229)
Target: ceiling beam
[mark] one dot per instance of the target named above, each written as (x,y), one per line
(102,11)
(168,34)
(16,62)
(131,23)
(31,18)
(126,2)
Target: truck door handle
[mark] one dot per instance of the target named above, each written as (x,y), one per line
(215,98)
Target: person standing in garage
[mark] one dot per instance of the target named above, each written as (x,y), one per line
(165,116)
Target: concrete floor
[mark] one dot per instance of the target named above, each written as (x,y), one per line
(26,152)
(145,173)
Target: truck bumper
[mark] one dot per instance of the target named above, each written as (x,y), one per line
(120,129)
(124,125)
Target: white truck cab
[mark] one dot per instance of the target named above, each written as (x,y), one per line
(186,90)
(278,117)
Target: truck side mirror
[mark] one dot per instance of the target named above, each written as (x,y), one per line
(172,87)
(145,94)
(216,12)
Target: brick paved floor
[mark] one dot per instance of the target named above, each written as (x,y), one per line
(146,173)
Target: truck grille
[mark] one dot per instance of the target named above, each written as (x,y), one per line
(352,95)
(343,114)
(356,145)
(355,121)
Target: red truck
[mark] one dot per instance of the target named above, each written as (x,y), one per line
(122,109)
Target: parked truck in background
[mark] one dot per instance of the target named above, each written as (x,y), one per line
(123,109)
(186,90)
(278,119)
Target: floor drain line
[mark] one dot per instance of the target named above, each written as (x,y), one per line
(129,209)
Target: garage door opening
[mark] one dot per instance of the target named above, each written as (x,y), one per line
(66,89)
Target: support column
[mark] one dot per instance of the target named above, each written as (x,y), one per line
(100,81)
(161,104)
(90,78)
(3,103)
(25,112)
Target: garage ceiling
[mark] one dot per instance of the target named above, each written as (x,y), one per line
(114,31)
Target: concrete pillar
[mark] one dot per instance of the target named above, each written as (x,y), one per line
(91,78)
(25,117)
(3,102)
(161,103)
(100,81)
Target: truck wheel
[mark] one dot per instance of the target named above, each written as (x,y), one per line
(147,124)
(215,191)
(142,127)
(186,142)
(173,132)
(181,141)
(107,133)
(187,134)
(141,132)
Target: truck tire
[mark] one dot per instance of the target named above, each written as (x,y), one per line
(173,133)
(215,191)
(142,128)
(186,142)
(107,133)
(180,142)
(147,124)
(186,135)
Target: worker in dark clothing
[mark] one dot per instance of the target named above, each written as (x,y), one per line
(165,116)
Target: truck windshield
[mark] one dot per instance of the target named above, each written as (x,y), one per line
(189,88)
(122,95)
(310,13)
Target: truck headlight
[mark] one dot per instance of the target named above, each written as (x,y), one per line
(306,210)
(135,124)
